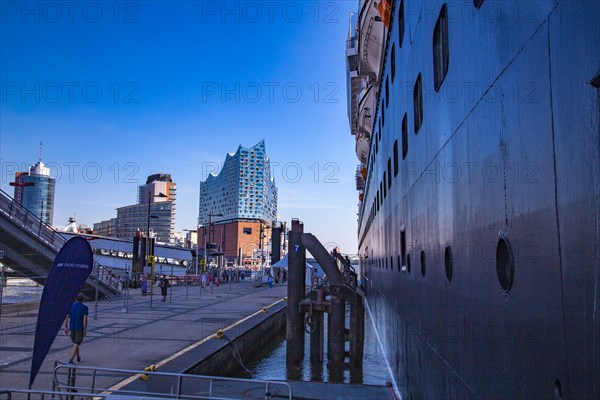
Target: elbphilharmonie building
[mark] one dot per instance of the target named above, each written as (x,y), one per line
(243,189)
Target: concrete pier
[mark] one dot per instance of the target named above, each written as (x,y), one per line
(138,338)
(174,336)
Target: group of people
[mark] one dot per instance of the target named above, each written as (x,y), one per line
(216,277)
(163,283)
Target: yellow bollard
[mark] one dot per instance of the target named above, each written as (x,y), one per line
(149,368)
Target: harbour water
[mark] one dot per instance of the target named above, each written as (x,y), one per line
(19,290)
(269,364)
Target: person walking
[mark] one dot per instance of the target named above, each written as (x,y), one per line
(164,284)
(144,286)
(76,323)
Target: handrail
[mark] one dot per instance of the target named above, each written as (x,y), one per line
(44,232)
(94,391)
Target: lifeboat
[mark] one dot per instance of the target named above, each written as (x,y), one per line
(360,182)
(366,107)
(371,41)
(363,143)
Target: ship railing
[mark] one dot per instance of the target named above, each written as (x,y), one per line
(46,234)
(351,43)
(83,382)
(349,275)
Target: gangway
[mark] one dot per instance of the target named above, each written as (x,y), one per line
(30,246)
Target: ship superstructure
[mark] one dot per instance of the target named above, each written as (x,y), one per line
(477,136)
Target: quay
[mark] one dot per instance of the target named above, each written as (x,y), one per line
(175,336)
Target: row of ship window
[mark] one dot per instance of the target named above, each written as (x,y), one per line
(440,64)
(505,267)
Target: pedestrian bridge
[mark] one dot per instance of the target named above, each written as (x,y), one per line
(30,247)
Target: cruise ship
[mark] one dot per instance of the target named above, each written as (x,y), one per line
(477,134)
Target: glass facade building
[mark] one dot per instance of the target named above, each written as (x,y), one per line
(243,188)
(35,191)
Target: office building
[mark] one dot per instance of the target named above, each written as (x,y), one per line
(34,189)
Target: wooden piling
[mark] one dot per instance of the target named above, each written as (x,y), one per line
(295,290)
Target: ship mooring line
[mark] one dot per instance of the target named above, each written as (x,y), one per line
(187,349)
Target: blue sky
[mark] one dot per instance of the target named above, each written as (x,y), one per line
(118,94)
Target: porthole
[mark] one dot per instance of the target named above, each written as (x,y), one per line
(398,263)
(387,92)
(389,173)
(401,23)
(396,157)
(382,118)
(505,265)
(384,186)
(418,104)
(440,49)
(558,390)
(422,263)
(391,263)
(404,136)
(477,3)
(393,61)
(403,249)
(448,263)
(408,263)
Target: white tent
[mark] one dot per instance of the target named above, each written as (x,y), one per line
(311,269)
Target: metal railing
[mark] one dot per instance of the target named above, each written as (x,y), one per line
(83,380)
(45,233)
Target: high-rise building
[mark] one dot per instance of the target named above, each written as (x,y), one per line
(157,186)
(243,188)
(34,189)
(155,210)
(237,207)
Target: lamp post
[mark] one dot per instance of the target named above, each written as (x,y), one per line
(150,196)
(210,215)
(197,256)
(197,247)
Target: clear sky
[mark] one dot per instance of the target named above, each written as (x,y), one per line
(117,91)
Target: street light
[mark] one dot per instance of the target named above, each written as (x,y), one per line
(197,246)
(210,215)
(150,196)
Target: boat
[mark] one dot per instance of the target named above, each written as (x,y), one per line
(478,217)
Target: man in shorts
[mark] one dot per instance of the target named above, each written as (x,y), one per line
(76,323)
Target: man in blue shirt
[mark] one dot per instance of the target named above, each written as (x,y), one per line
(76,322)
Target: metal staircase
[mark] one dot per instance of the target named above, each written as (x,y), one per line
(30,247)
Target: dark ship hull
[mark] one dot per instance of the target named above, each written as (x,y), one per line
(479,224)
